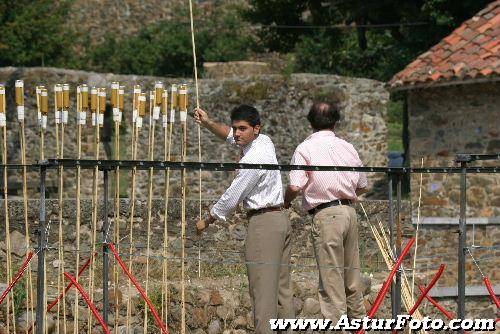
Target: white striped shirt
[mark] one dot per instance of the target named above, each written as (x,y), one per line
(256,188)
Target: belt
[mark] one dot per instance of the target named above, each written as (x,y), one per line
(322,206)
(254,212)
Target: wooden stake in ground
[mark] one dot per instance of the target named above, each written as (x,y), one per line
(98,106)
(168,122)
(155,101)
(22,137)
(64,120)
(183,119)
(82,106)
(117,94)
(58,108)
(195,70)
(43,107)
(137,117)
(3,125)
(416,233)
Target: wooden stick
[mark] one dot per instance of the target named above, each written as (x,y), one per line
(167,157)
(388,255)
(416,232)
(94,200)
(3,125)
(82,92)
(59,105)
(183,231)
(195,70)
(138,125)
(20,116)
(10,301)
(151,145)
(116,277)
(183,119)
(42,109)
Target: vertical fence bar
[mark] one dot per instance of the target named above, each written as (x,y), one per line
(391,237)
(105,258)
(462,239)
(399,241)
(40,304)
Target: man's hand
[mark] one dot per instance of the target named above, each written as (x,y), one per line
(202,224)
(220,130)
(290,194)
(201,116)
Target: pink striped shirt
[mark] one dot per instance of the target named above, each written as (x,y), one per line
(323,148)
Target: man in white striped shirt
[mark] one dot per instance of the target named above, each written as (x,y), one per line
(267,246)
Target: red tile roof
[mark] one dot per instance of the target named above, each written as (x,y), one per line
(471,51)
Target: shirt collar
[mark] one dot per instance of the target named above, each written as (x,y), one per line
(322,133)
(247,147)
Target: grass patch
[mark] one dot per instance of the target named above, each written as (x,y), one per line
(218,271)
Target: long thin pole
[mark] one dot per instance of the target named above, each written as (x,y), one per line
(105,257)
(183,119)
(10,301)
(195,70)
(416,232)
(399,241)
(81,118)
(58,155)
(391,241)
(166,157)
(137,125)
(40,305)
(61,278)
(117,208)
(94,207)
(20,115)
(151,146)
(183,231)
(462,238)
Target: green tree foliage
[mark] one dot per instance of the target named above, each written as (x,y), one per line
(165,47)
(34,33)
(375,52)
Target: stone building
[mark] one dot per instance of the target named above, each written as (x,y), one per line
(453,106)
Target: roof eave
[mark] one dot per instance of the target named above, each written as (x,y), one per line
(433,84)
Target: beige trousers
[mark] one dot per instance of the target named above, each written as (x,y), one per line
(335,239)
(267,253)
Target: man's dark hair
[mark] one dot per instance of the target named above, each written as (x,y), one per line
(324,115)
(246,113)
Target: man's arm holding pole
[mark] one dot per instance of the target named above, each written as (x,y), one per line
(218,129)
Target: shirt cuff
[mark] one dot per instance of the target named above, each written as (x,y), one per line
(230,138)
(298,179)
(217,214)
(363,182)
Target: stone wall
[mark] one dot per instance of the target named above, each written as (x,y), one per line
(282,101)
(222,70)
(444,121)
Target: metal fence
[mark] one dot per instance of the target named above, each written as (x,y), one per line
(394,177)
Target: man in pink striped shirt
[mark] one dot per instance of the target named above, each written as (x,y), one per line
(328,197)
